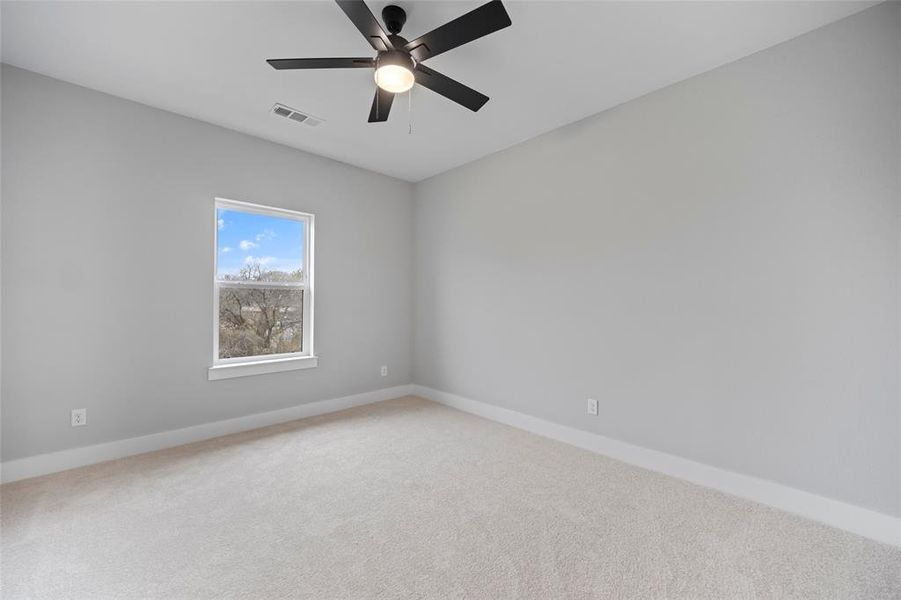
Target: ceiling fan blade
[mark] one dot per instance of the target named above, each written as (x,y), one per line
(449,88)
(381,106)
(320,63)
(363,19)
(486,19)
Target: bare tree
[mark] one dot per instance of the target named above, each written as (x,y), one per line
(260,320)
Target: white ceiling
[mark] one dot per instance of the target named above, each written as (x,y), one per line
(557,63)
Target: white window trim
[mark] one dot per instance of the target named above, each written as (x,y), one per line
(224,368)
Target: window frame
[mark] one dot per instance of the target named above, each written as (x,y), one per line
(265,363)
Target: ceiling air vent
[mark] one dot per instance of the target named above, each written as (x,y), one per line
(287,112)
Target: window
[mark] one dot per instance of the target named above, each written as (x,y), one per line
(262,290)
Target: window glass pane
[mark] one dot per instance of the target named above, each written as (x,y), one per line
(259,321)
(256,247)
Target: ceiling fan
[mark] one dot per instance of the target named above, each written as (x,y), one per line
(398,63)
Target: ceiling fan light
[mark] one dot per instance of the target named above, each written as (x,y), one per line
(394,78)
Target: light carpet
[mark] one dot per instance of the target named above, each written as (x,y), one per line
(410,499)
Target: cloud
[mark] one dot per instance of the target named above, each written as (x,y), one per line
(225,249)
(260,260)
(267,234)
(220,223)
(247,245)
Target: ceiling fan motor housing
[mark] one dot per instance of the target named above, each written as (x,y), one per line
(395,57)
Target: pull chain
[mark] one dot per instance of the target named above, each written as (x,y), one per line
(410,112)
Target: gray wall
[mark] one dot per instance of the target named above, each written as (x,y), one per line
(716,262)
(107,267)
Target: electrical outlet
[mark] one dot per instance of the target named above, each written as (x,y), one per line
(384,370)
(592,406)
(79,417)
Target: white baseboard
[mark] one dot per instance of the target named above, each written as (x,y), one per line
(862,521)
(52,462)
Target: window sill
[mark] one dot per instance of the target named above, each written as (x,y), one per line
(260,367)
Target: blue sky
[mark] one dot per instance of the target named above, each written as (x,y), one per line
(274,242)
